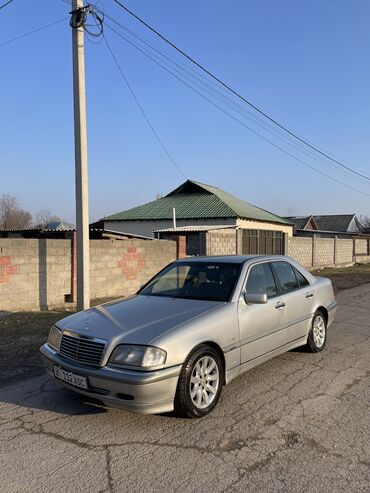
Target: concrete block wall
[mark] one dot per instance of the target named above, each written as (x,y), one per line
(121,267)
(34,273)
(301,250)
(323,252)
(221,242)
(344,252)
(361,246)
(37,273)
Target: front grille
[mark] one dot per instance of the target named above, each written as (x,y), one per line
(80,349)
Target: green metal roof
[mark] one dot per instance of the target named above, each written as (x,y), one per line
(193,200)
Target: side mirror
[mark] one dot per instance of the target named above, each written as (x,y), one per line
(255,298)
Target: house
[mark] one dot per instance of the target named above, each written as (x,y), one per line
(303,222)
(344,223)
(327,225)
(205,214)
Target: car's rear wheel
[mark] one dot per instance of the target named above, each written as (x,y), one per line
(200,383)
(317,336)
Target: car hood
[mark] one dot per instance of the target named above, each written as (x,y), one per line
(135,320)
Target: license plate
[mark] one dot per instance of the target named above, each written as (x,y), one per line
(71,378)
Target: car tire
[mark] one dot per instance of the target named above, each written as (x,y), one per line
(200,383)
(318,333)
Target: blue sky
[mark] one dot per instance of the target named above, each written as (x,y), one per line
(304,63)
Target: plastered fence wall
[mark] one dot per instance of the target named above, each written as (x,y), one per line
(326,252)
(38,273)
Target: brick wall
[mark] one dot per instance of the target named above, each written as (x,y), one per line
(36,273)
(221,242)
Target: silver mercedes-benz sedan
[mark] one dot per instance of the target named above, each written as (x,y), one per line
(194,327)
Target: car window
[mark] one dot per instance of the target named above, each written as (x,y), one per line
(261,281)
(301,279)
(173,279)
(214,281)
(286,276)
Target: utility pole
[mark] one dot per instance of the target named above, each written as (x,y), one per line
(82,194)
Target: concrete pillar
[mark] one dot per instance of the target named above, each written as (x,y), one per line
(285,244)
(314,251)
(335,255)
(239,242)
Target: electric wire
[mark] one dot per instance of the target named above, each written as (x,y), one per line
(33,32)
(5,4)
(223,98)
(244,124)
(238,95)
(142,110)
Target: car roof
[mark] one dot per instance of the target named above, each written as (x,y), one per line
(234,259)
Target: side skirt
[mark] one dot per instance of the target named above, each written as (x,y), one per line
(238,370)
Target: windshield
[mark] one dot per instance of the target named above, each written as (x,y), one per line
(214,281)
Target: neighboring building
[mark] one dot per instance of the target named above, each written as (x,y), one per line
(195,204)
(345,223)
(327,225)
(203,212)
(303,222)
(60,226)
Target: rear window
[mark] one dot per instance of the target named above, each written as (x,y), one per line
(286,276)
(301,279)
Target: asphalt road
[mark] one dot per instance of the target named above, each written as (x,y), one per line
(300,422)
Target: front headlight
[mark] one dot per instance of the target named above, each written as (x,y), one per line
(54,338)
(139,356)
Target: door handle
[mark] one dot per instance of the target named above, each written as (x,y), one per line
(279,305)
(309,295)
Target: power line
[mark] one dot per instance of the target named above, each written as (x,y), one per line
(239,121)
(143,111)
(226,100)
(5,4)
(33,32)
(229,88)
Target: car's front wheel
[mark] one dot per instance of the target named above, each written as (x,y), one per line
(200,383)
(317,336)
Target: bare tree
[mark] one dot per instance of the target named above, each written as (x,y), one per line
(43,218)
(12,216)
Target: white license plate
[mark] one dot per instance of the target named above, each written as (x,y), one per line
(71,378)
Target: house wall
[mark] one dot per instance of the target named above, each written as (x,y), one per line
(146,228)
(246,224)
(37,274)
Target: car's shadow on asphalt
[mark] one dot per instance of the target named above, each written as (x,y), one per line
(41,394)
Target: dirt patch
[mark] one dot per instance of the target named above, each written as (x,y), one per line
(346,277)
(21,336)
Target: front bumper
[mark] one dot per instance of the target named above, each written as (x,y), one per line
(145,392)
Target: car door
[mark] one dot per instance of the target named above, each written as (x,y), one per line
(260,325)
(298,298)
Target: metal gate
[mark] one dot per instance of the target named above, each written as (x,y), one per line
(262,242)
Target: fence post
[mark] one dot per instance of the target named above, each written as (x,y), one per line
(239,243)
(313,250)
(335,250)
(354,250)
(286,244)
